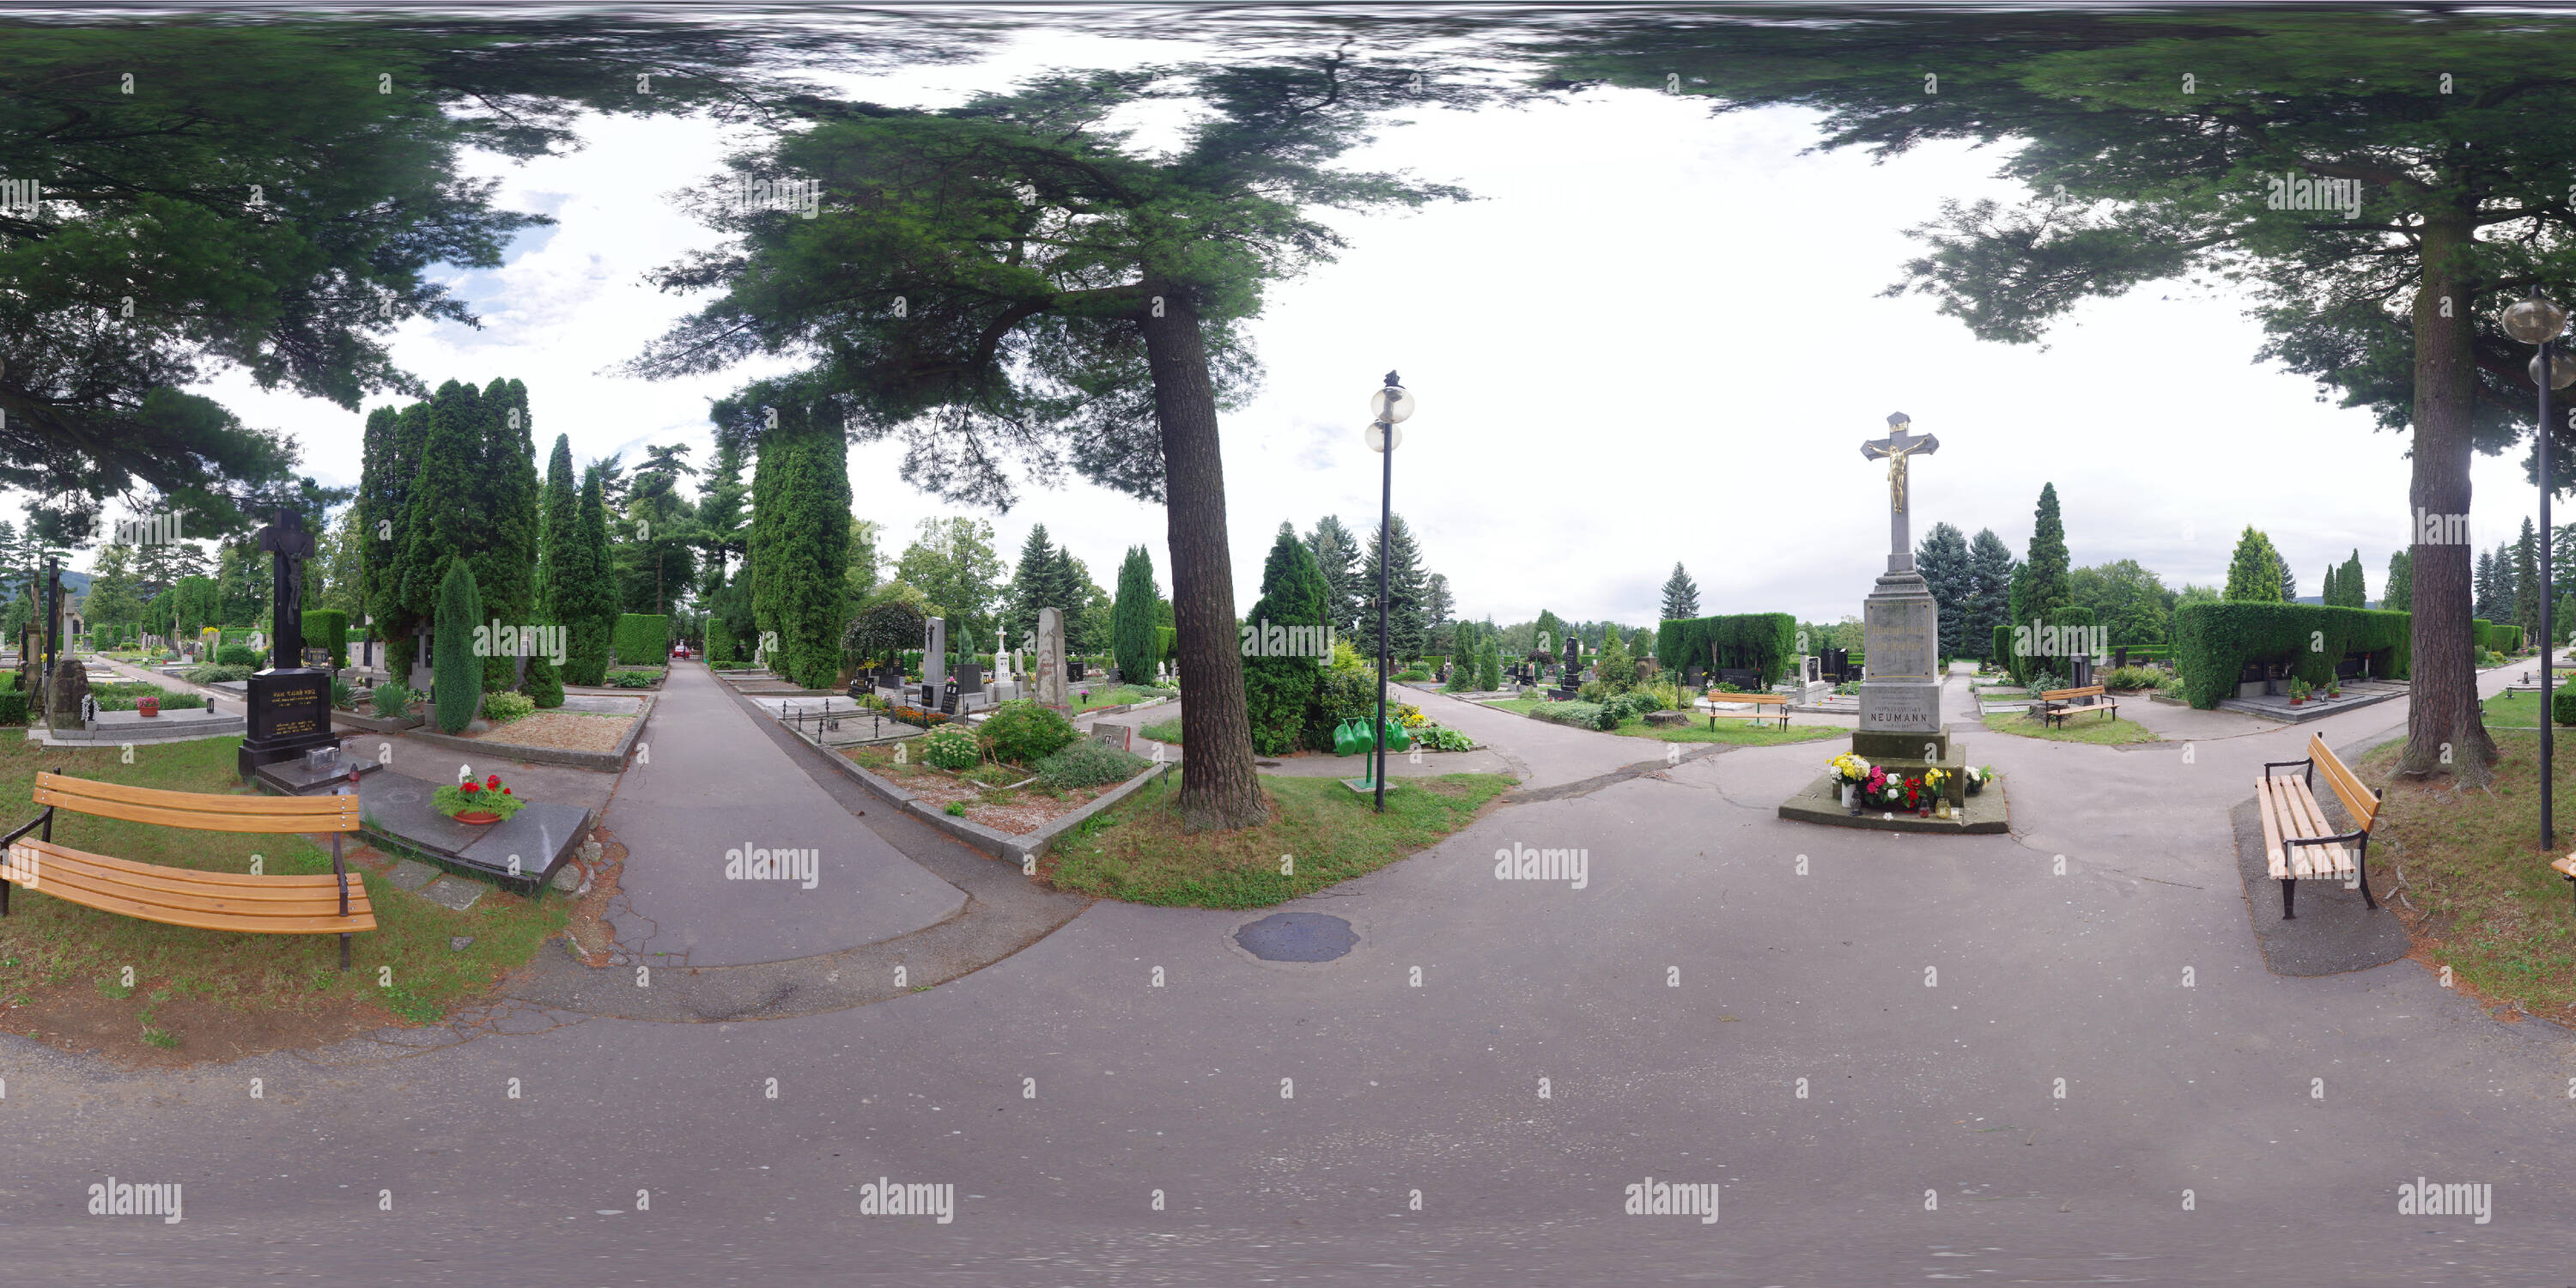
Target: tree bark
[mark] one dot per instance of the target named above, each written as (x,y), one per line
(1219,790)
(2445,728)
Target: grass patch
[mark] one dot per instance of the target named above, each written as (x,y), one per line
(1138,853)
(1163,731)
(2094,729)
(2514,711)
(1743,733)
(1103,696)
(2480,896)
(64,946)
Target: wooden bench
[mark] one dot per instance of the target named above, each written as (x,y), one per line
(2298,843)
(275,905)
(1759,702)
(2057,704)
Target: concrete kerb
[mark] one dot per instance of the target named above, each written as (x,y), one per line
(609,762)
(1001,845)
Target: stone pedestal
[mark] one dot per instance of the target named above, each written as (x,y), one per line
(290,713)
(1902,629)
(1047,669)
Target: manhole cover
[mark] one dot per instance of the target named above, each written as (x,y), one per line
(1297,937)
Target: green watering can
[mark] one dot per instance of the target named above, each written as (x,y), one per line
(1350,738)
(1396,737)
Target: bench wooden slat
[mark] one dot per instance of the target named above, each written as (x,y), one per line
(283,909)
(39,863)
(315,925)
(76,793)
(340,819)
(2333,860)
(2357,799)
(2267,805)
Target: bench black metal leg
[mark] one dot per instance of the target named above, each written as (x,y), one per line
(2361,865)
(2289,893)
(344,950)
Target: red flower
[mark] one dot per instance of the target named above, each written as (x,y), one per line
(493,781)
(505,791)
(469,788)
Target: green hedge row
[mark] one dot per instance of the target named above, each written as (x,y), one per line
(2213,642)
(328,628)
(1582,715)
(641,638)
(2500,637)
(1761,642)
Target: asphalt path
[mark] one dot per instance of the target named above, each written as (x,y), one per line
(1899,1057)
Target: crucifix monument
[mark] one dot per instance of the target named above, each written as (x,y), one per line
(288,706)
(1900,697)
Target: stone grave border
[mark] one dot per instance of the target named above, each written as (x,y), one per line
(610,762)
(1009,847)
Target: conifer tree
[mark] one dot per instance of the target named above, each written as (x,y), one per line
(1135,644)
(2049,587)
(2399,591)
(1337,554)
(588,604)
(1681,595)
(459,682)
(1281,691)
(2254,574)
(505,562)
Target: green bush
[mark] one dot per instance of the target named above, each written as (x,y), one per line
(1024,733)
(719,642)
(456,674)
(543,685)
(951,746)
(1762,642)
(630,679)
(502,708)
(13,708)
(1088,764)
(1343,694)
(125,697)
(217,674)
(641,637)
(2130,677)
(1582,715)
(392,700)
(2562,706)
(1438,738)
(342,696)
(1489,668)
(2213,642)
(238,655)
(1412,675)
(328,628)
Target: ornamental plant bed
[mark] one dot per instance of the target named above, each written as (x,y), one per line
(561,731)
(996,796)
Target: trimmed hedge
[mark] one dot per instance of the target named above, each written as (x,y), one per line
(1582,715)
(13,708)
(641,637)
(328,628)
(1761,642)
(2213,642)
(2562,705)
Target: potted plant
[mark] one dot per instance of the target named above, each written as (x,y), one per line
(149,704)
(476,804)
(2299,691)
(1849,773)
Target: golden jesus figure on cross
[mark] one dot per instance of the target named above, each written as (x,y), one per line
(1894,449)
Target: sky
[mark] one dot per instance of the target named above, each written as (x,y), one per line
(1655,335)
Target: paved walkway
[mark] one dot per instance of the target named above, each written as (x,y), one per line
(1728,998)
(714,783)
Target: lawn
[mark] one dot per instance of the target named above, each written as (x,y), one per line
(2082,728)
(1163,731)
(62,965)
(1104,696)
(2514,711)
(1138,853)
(2478,893)
(1744,733)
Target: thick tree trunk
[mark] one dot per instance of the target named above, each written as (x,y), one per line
(2445,729)
(1218,788)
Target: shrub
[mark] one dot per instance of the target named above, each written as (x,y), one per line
(1582,715)
(342,696)
(391,700)
(1024,733)
(502,708)
(951,747)
(456,674)
(1761,642)
(2213,642)
(2562,706)
(13,708)
(2130,677)
(1412,673)
(1088,764)
(630,679)
(956,809)
(217,674)
(544,685)
(1439,739)
(125,697)
(328,628)
(237,655)
(641,637)
(1343,694)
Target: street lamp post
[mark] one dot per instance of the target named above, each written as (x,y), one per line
(2536,321)
(1391,405)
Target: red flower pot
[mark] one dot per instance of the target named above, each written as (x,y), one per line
(148,705)
(475,818)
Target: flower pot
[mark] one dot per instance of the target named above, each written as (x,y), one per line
(476,817)
(1848,792)
(148,706)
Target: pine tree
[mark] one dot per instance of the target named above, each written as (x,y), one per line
(1436,607)
(1134,642)
(720,515)
(1950,571)
(2526,582)
(2255,573)
(459,674)
(1404,623)
(1681,595)
(566,568)
(1035,584)
(2350,583)
(2289,579)
(2399,591)
(1990,565)
(1281,688)
(2483,587)
(1489,665)
(2048,587)
(1337,553)
(1071,587)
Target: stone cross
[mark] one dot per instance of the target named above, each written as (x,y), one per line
(286,538)
(1894,449)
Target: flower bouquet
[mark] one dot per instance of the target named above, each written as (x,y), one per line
(1929,798)
(476,803)
(1850,772)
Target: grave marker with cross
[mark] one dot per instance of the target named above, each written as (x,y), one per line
(1895,449)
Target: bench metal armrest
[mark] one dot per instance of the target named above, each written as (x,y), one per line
(2344,839)
(2310,775)
(30,825)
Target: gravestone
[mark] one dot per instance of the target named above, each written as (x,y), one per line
(289,707)
(1047,658)
(1900,699)
(1569,679)
(948,698)
(934,650)
(64,698)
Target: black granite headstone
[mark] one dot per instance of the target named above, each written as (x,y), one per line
(948,697)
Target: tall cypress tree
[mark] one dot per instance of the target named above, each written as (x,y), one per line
(1281,690)
(2399,591)
(801,541)
(459,682)
(589,603)
(1135,643)
(567,558)
(447,515)
(2329,593)
(2050,586)
(505,566)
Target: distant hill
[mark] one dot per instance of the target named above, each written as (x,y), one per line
(75,585)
